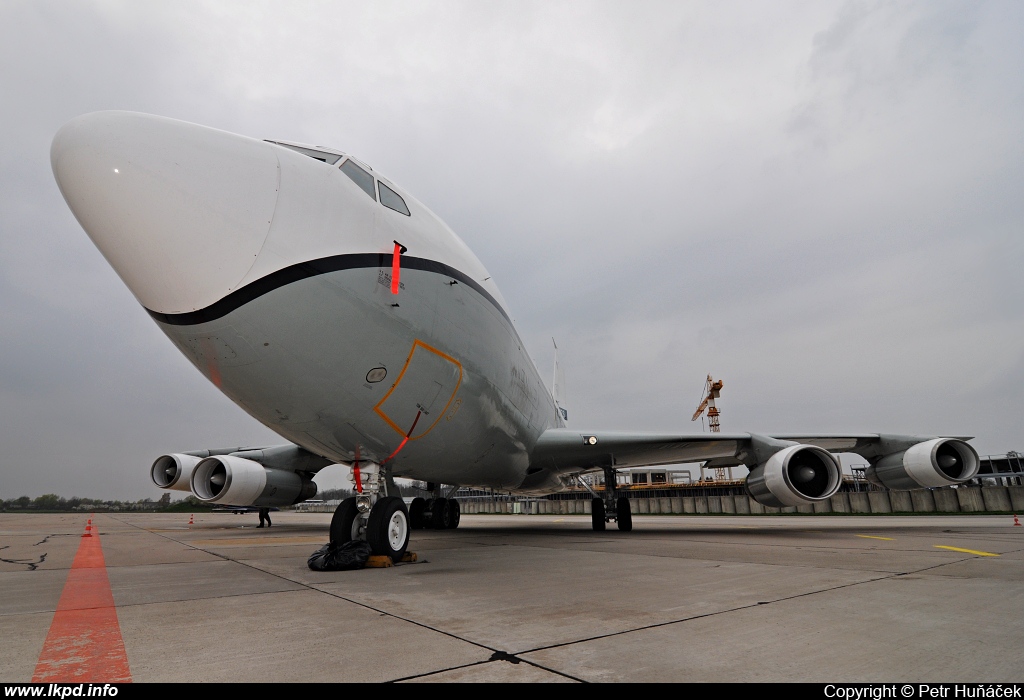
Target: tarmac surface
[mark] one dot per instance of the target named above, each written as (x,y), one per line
(538,599)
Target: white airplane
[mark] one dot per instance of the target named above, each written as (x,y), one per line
(340,312)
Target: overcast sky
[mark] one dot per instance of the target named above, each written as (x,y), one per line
(820,203)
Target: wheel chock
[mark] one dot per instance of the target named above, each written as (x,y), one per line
(379,561)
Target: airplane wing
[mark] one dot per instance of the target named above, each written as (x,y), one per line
(572,450)
(792,467)
(563,450)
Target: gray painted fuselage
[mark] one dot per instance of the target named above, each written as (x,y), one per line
(297,360)
(243,250)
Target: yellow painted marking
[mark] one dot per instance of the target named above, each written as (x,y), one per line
(455,409)
(874,537)
(560,520)
(966,551)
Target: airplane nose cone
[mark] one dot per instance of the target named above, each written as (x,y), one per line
(179,210)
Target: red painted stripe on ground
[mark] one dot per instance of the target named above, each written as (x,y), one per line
(84,644)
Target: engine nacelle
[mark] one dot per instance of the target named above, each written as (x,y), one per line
(235,481)
(174,471)
(798,475)
(938,462)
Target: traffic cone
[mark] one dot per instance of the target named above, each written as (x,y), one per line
(1016,522)
(88,529)
(191,520)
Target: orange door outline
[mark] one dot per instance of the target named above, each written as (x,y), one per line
(403,431)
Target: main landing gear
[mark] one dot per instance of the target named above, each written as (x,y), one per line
(437,513)
(611,506)
(373,515)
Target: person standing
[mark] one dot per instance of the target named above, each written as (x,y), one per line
(265,516)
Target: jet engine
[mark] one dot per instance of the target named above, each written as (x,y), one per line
(236,481)
(795,476)
(174,471)
(938,462)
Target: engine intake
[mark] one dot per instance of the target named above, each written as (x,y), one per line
(229,480)
(938,462)
(174,471)
(795,476)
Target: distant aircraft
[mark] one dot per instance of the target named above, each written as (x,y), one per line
(340,312)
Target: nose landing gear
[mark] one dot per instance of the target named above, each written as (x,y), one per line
(373,515)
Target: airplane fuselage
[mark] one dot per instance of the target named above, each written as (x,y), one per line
(438,347)
(278,288)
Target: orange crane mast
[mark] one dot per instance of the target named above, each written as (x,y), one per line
(712,390)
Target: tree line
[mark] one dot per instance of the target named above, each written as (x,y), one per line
(51,502)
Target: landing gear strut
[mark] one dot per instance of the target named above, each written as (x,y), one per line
(373,515)
(597,515)
(609,507)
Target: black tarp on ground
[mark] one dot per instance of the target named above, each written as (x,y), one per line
(340,557)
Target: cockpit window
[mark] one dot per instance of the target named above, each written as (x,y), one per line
(392,200)
(359,176)
(323,156)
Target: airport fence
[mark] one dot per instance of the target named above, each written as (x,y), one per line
(962,499)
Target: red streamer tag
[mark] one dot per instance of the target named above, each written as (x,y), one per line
(356,474)
(395,267)
(404,440)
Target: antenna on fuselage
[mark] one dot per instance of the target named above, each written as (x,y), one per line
(558,386)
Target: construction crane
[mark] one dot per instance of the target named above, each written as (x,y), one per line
(711,392)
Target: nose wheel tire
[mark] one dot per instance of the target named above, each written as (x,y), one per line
(417,519)
(597,515)
(344,524)
(623,514)
(454,514)
(387,530)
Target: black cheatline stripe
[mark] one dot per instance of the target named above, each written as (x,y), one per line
(312,268)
